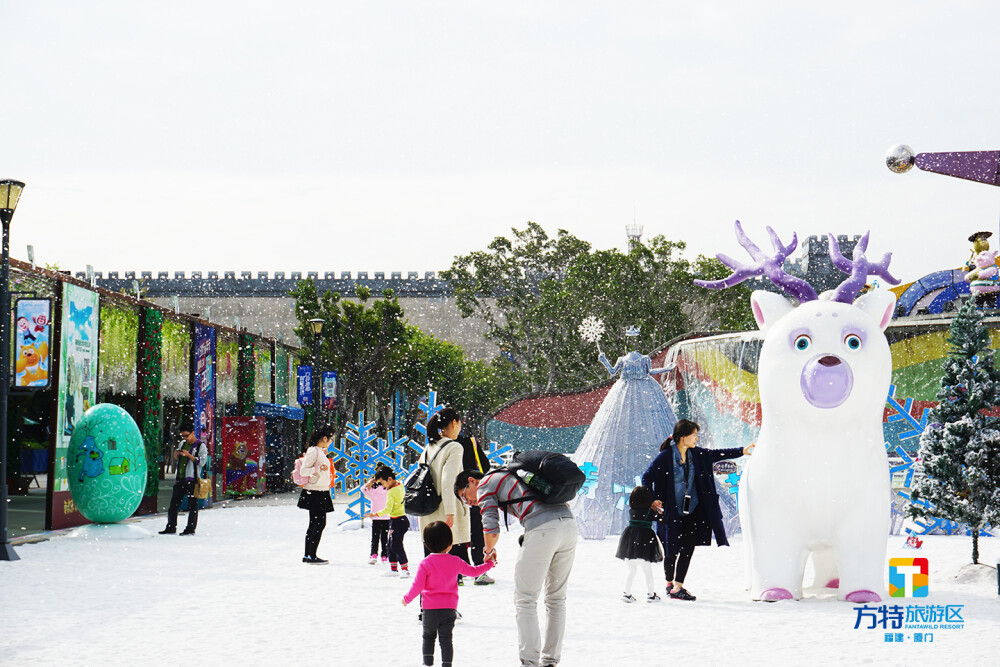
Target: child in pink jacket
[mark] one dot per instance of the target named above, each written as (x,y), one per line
(437,581)
(376,495)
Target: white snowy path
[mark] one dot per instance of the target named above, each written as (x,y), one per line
(237,594)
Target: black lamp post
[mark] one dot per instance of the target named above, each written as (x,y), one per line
(10,192)
(317,327)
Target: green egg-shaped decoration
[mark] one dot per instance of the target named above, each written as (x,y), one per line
(106,464)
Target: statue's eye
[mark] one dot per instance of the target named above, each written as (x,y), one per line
(853,341)
(802,342)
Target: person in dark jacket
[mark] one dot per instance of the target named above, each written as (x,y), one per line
(474,459)
(681,480)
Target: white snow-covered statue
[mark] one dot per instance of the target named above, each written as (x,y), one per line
(818,482)
(623,438)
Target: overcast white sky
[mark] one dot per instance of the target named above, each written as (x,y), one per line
(391,136)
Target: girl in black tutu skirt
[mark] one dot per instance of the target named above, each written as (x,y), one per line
(639,546)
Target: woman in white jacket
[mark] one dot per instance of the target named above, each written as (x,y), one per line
(444,455)
(315,495)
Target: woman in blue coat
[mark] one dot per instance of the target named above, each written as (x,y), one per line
(681,480)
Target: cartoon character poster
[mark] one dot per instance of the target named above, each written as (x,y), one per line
(204,385)
(32,343)
(243,456)
(77,389)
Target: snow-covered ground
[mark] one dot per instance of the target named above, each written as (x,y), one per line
(237,594)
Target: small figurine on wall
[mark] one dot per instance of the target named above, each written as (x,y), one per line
(982,271)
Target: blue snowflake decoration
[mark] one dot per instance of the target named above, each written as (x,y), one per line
(932,525)
(430,408)
(589,487)
(733,480)
(624,491)
(495,453)
(391,452)
(362,451)
(357,507)
(906,465)
(355,450)
(902,411)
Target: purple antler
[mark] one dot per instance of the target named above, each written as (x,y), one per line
(764,265)
(859,269)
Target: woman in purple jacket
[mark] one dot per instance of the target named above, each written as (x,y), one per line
(681,480)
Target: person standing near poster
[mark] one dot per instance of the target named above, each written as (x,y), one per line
(191,456)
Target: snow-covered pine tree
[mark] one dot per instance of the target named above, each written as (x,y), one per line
(958,473)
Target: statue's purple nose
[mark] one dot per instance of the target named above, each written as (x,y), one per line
(826,381)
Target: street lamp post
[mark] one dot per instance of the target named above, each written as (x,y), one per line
(316,325)
(10,192)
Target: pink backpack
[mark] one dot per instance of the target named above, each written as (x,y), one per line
(297,476)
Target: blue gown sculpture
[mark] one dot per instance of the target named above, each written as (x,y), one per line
(621,441)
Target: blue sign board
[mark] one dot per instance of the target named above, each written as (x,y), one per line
(305,385)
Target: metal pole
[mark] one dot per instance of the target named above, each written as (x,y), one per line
(6,550)
(317,380)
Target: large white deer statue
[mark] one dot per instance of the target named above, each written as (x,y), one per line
(818,482)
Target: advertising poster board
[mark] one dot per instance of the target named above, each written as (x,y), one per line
(305,389)
(204,387)
(77,390)
(243,456)
(330,390)
(32,343)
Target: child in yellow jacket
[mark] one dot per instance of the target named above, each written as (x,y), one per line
(398,523)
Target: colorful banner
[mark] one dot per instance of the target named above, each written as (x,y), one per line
(281,375)
(292,381)
(176,360)
(77,389)
(305,392)
(117,371)
(204,386)
(225,375)
(262,367)
(330,390)
(243,456)
(32,342)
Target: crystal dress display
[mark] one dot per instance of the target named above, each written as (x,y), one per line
(623,438)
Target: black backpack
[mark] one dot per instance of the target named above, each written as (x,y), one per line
(551,477)
(420,498)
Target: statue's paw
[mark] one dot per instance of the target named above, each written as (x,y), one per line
(863,596)
(775,594)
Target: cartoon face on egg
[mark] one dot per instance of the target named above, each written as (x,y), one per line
(106,464)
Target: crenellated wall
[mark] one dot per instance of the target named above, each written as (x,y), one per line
(260,303)
(264,284)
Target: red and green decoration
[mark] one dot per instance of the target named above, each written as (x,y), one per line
(245,376)
(149,371)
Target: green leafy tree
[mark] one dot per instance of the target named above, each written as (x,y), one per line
(514,287)
(958,472)
(486,387)
(533,292)
(722,309)
(361,340)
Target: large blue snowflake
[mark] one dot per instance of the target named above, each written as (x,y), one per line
(363,451)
